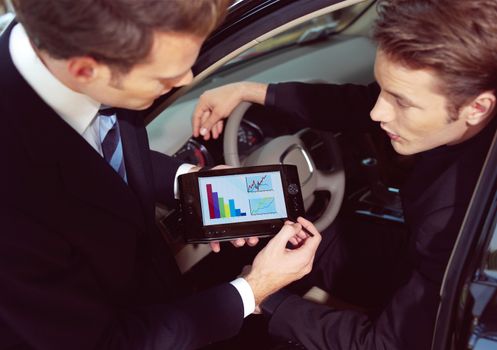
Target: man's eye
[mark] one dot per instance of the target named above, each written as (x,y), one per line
(401,103)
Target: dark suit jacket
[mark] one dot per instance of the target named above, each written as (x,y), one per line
(82,264)
(435,198)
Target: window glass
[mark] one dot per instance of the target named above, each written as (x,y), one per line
(6,14)
(484,310)
(284,57)
(315,29)
(491,261)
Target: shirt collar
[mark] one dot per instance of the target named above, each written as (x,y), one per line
(76,109)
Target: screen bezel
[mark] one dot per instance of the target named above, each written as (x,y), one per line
(197,232)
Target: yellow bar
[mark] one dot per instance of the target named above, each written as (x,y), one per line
(227,211)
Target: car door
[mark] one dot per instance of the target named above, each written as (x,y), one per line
(467,317)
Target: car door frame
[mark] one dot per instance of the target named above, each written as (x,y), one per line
(463,279)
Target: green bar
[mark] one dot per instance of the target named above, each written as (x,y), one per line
(221,207)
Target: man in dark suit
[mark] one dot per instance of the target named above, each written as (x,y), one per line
(82,264)
(435,98)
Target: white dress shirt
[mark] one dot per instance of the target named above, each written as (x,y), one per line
(80,111)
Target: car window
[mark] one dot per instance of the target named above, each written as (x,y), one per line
(6,14)
(280,58)
(491,261)
(284,60)
(315,29)
(484,307)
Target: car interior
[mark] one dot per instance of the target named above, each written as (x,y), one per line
(353,177)
(351,174)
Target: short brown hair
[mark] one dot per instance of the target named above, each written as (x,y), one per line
(457,39)
(115,32)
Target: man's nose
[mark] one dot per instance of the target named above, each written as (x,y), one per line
(382,111)
(185,80)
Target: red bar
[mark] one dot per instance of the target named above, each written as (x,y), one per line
(210,201)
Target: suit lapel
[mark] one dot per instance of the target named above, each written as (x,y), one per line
(136,153)
(89,177)
(134,159)
(51,141)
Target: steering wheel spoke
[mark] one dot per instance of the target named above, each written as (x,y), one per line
(290,149)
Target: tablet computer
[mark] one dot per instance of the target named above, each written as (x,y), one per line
(225,204)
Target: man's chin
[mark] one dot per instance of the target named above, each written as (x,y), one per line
(401,149)
(140,107)
(405,150)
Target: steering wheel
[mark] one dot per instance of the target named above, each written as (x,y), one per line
(290,149)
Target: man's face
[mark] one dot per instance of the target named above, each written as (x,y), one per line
(168,66)
(411,111)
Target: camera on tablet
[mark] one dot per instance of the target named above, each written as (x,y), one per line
(225,204)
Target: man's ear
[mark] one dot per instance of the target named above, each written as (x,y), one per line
(482,107)
(83,69)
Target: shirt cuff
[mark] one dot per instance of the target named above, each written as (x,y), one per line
(246,294)
(182,169)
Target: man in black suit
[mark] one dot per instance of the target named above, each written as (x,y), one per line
(435,98)
(82,264)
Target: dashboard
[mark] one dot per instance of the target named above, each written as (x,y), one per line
(209,153)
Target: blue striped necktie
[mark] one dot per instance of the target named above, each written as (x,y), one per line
(110,138)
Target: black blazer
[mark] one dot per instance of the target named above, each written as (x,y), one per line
(82,264)
(434,198)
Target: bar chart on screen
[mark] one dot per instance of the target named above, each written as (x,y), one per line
(219,207)
(241,198)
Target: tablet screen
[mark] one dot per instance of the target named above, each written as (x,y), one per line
(241,198)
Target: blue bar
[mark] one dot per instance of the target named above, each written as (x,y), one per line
(217,215)
(232,207)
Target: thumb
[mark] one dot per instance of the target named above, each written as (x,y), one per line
(198,118)
(215,246)
(201,107)
(309,246)
(208,121)
(287,231)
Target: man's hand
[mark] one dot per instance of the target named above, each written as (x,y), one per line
(276,266)
(239,242)
(217,104)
